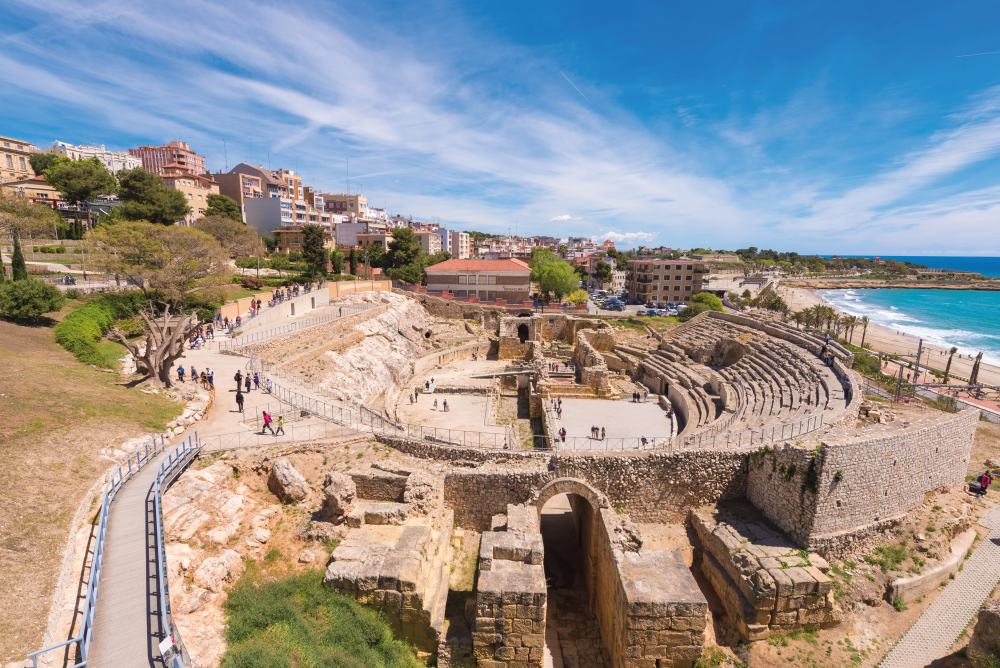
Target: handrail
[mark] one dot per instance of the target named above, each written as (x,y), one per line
(123,473)
(240,340)
(168,471)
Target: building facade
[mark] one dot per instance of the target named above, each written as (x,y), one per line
(195,187)
(35,189)
(155,159)
(508,279)
(430,242)
(461,245)
(115,161)
(14,163)
(345,204)
(659,281)
(239,187)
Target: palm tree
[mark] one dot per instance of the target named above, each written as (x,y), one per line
(864,321)
(798,317)
(947,368)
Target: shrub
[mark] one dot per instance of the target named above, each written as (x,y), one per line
(28,299)
(251,283)
(83,328)
(297,621)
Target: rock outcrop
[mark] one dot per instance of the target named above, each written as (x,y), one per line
(339,492)
(985,642)
(215,572)
(286,482)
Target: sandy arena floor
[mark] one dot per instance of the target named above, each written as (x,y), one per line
(624,423)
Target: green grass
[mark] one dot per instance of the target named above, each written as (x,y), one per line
(888,557)
(296,622)
(711,657)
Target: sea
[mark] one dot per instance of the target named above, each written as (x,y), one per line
(966,319)
(987,266)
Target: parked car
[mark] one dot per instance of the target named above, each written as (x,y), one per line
(650,305)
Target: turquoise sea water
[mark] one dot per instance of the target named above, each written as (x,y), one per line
(966,319)
(987,266)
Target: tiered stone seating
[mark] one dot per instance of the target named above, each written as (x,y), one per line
(779,382)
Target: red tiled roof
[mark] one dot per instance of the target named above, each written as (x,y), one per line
(481,265)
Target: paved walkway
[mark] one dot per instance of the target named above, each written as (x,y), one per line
(936,630)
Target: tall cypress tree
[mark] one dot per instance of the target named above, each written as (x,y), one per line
(353,261)
(3,274)
(19,270)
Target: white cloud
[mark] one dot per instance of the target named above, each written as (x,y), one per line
(561,218)
(628,238)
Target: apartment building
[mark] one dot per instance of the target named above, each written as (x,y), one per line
(155,159)
(195,187)
(345,204)
(291,238)
(115,161)
(507,279)
(239,187)
(461,245)
(14,164)
(430,242)
(656,280)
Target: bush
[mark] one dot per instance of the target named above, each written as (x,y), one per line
(83,328)
(251,283)
(298,622)
(28,299)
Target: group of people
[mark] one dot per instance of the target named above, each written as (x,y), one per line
(444,407)
(598,432)
(255,305)
(245,382)
(270,424)
(200,335)
(227,324)
(637,397)
(206,377)
(985,480)
(557,407)
(554,366)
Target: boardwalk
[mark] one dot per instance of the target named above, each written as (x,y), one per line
(940,625)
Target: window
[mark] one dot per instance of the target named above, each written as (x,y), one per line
(20,163)
(463,279)
(690,267)
(687,288)
(10,162)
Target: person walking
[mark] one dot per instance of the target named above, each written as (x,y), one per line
(267,385)
(445,405)
(239,401)
(267,424)
(435,404)
(603,434)
(239,380)
(211,379)
(281,426)
(256,380)
(180,373)
(247,382)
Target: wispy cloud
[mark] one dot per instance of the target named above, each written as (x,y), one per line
(474,132)
(980,53)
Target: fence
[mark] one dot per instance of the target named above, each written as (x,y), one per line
(240,340)
(170,468)
(122,474)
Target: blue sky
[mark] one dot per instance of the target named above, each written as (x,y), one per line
(850,127)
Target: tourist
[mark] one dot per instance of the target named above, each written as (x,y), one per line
(180,373)
(644,441)
(204,380)
(194,375)
(562,434)
(239,401)
(281,426)
(984,482)
(267,424)
(435,404)
(603,434)
(211,379)
(445,405)
(239,379)
(247,382)
(256,380)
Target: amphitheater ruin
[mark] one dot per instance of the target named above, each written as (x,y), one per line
(593,488)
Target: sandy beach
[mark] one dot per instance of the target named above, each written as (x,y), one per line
(886,340)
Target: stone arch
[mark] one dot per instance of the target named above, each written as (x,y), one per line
(523,332)
(596,498)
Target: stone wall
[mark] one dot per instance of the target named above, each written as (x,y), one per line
(838,496)
(478,496)
(591,368)
(985,643)
(379,485)
(762,580)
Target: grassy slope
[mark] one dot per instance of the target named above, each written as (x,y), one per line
(55,416)
(296,621)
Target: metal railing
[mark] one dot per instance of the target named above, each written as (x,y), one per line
(122,474)
(176,461)
(240,340)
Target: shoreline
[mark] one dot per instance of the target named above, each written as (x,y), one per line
(886,340)
(985,285)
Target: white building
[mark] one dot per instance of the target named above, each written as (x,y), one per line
(115,161)
(461,245)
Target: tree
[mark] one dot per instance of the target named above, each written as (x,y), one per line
(353,261)
(947,367)
(169,263)
(144,197)
(374,255)
(403,249)
(224,206)
(29,299)
(238,239)
(864,331)
(337,261)
(18,269)
(313,251)
(578,296)
(80,180)
(701,302)
(19,216)
(553,274)
(602,272)
(42,161)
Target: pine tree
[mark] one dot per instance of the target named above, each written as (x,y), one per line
(353,261)
(19,270)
